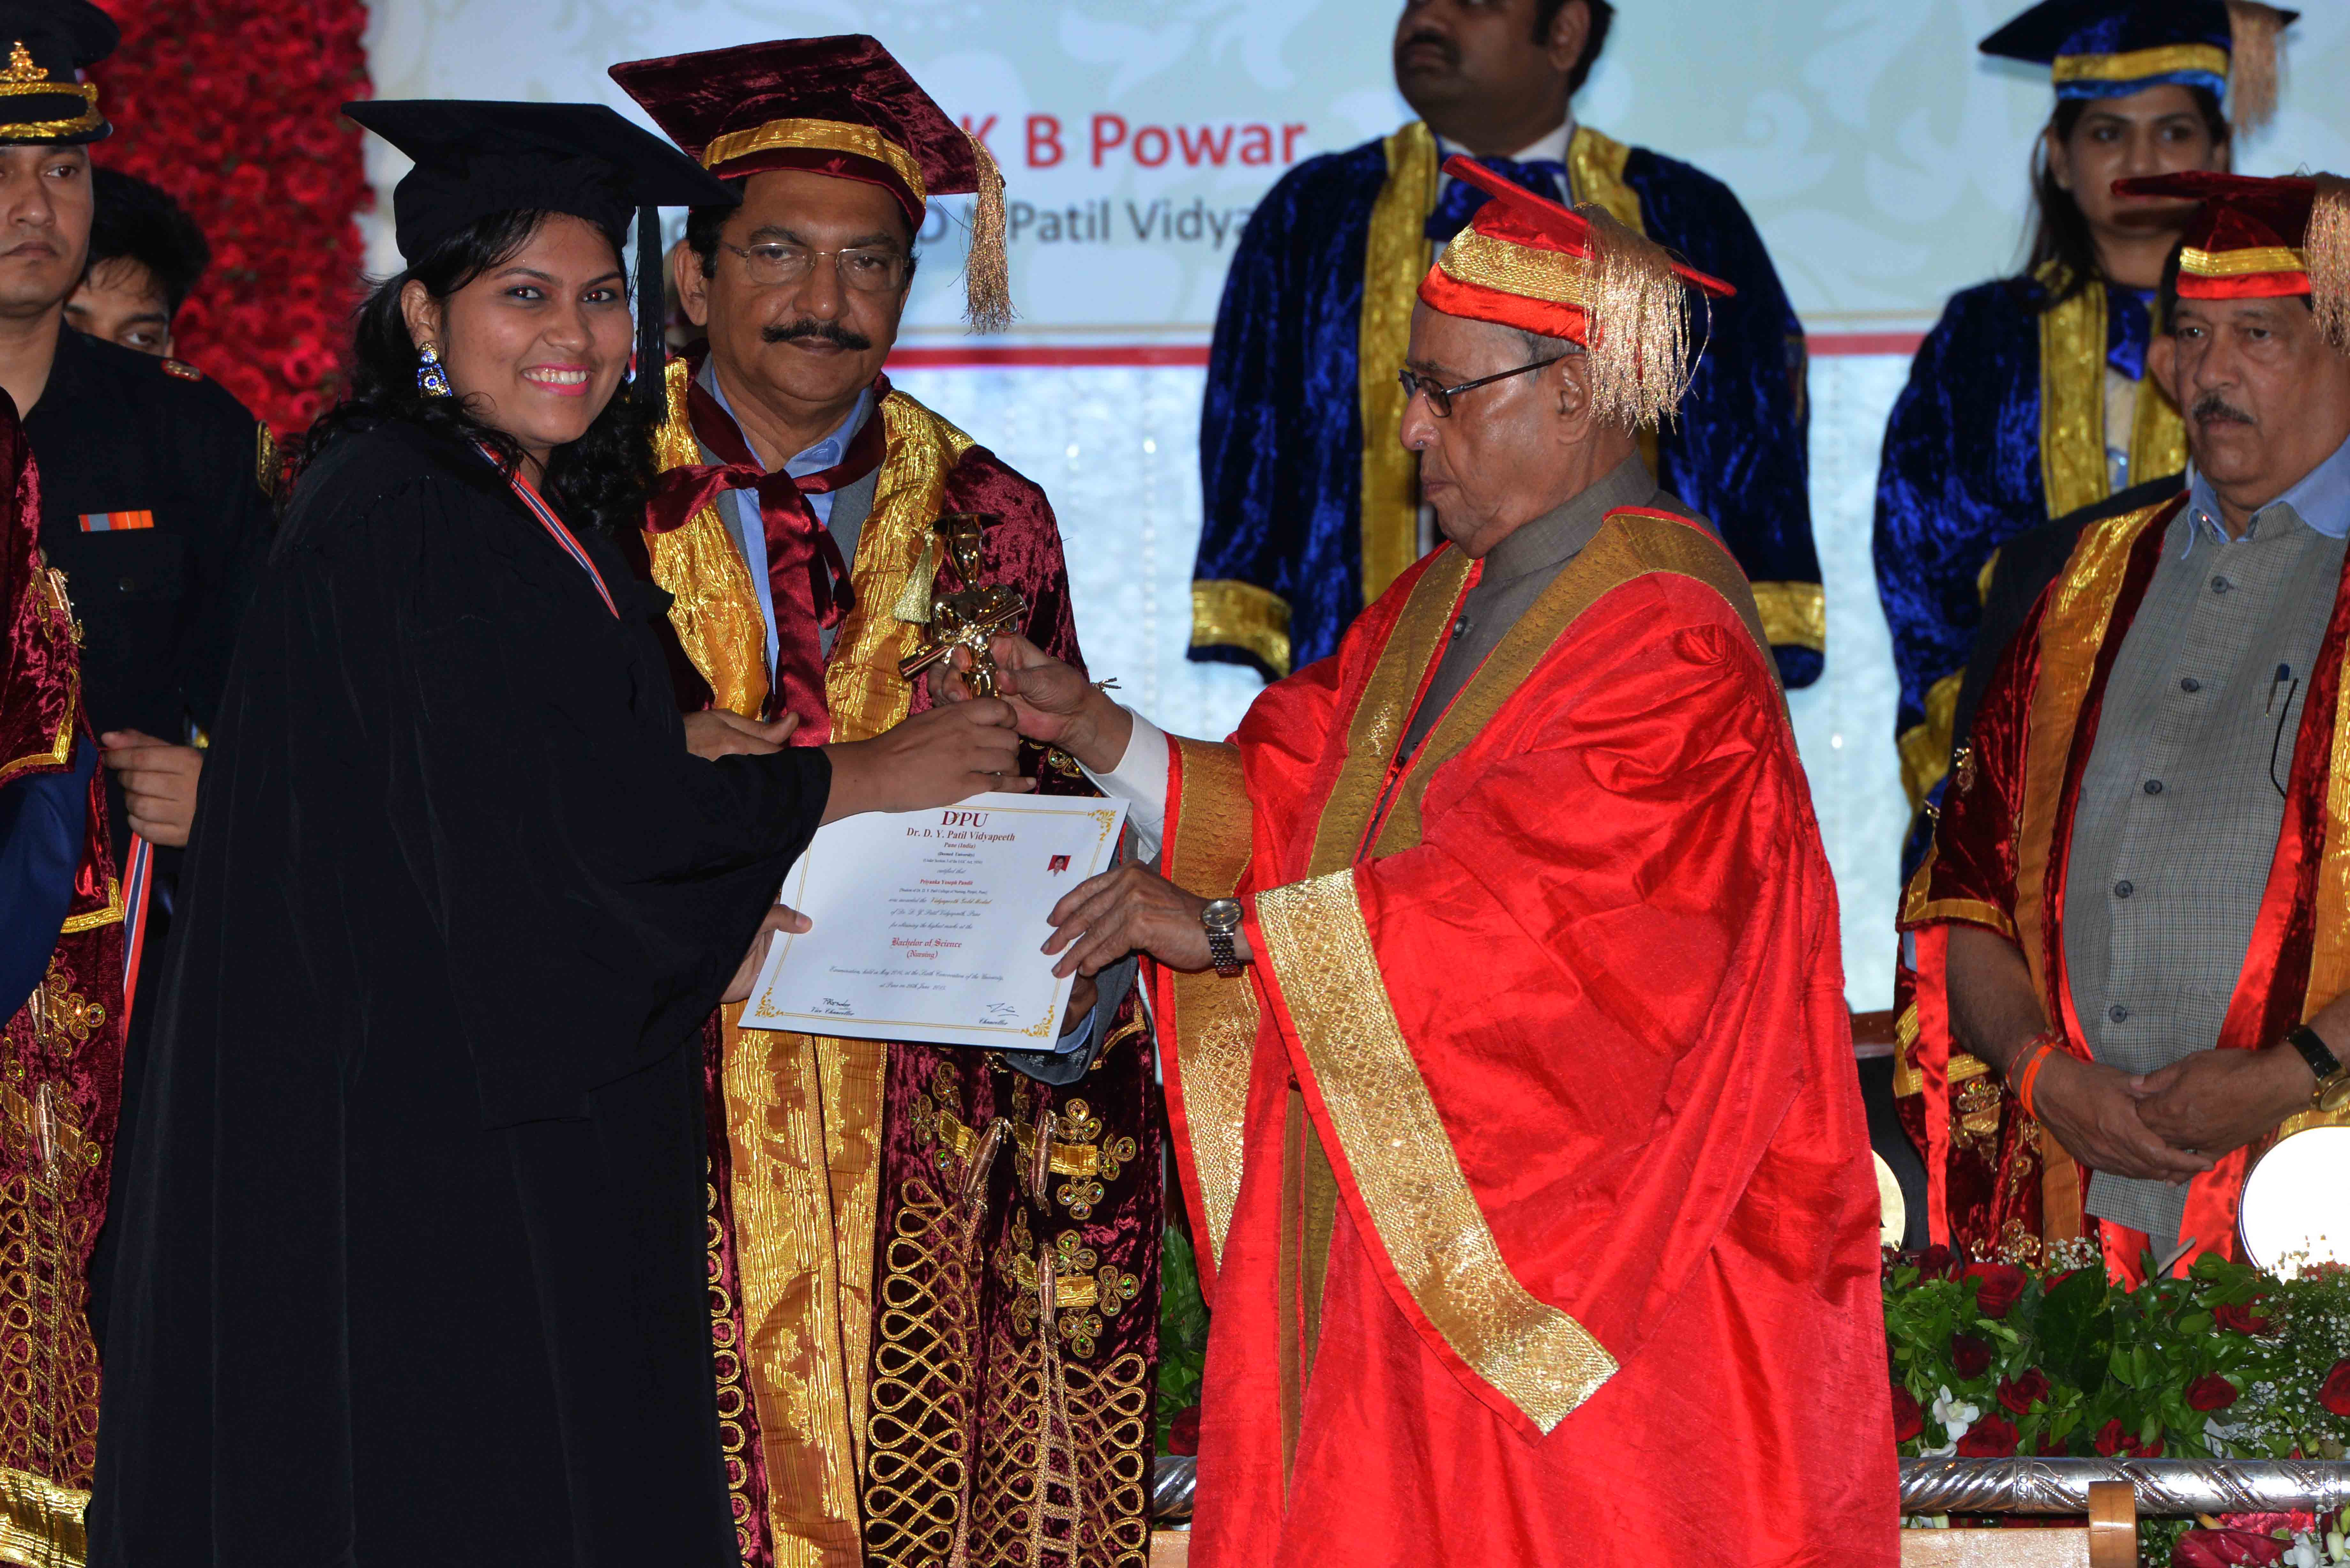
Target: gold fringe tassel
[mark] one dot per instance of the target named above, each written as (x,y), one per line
(987,271)
(2328,250)
(2252,35)
(1638,325)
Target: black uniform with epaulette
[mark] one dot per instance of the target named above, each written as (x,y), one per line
(155,504)
(154,480)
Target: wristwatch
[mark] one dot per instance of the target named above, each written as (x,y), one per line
(2333,1079)
(1220,919)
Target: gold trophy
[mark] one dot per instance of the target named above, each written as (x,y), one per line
(969,616)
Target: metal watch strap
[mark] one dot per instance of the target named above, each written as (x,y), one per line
(1221,955)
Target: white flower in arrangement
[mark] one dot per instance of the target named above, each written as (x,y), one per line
(2302,1553)
(1956,1416)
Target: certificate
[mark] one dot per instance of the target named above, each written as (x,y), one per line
(929,926)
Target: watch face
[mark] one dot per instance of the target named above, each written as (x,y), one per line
(1221,915)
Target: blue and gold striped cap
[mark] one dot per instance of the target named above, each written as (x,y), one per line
(2112,48)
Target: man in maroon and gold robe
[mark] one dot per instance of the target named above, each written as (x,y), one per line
(934,1270)
(2127,955)
(61,1042)
(1510,1068)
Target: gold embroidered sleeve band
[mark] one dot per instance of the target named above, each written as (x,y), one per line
(1215,1019)
(1400,1158)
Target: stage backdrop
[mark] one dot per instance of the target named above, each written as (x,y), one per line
(1882,158)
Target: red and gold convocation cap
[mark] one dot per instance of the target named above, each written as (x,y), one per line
(2263,239)
(840,106)
(1579,275)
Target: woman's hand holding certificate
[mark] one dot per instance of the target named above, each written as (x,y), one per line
(932,758)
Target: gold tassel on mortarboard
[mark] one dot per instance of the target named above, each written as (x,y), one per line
(987,271)
(2253,30)
(1638,325)
(2327,247)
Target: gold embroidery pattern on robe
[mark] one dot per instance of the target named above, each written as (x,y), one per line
(716,612)
(733,1391)
(1403,1163)
(1215,1019)
(48,1421)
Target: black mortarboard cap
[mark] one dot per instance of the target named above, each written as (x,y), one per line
(475,158)
(46,44)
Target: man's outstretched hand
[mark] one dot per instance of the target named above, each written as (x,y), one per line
(1053,703)
(1131,910)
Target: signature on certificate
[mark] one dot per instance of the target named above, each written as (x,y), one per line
(998,1013)
(833,1007)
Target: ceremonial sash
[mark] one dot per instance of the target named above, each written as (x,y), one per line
(2299,957)
(2073,467)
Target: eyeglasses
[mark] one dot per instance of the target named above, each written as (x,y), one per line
(1440,396)
(867,270)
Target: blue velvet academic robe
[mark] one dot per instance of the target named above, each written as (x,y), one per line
(1281,433)
(1962,474)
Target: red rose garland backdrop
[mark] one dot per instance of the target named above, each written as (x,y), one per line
(231,106)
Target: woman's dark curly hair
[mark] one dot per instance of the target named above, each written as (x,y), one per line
(2062,233)
(600,481)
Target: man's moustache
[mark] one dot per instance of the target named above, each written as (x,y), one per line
(2211,406)
(1444,45)
(831,332)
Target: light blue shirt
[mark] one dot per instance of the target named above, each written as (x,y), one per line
(2322,501)
(741,508)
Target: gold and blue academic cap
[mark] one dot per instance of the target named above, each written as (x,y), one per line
(2112,48)
(43,99)
(475,158)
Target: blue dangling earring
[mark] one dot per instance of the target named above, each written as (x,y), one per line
(432,380)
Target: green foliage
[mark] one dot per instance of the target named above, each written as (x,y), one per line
(1183,1331)
(2127,1372)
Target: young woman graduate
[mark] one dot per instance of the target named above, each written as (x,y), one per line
(2030,398)
(409,1254)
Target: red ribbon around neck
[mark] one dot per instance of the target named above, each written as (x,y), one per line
(807,580)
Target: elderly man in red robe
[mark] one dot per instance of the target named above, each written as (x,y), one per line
(2126,948)
(1510,1067)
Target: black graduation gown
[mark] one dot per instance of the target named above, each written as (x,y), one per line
(409,1230)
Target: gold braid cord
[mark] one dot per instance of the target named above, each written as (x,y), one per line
(996,1439)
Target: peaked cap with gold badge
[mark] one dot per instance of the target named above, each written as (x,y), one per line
(840,106)
(43,100)
(1579,275)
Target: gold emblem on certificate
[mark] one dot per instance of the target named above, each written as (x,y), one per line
(966,618)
